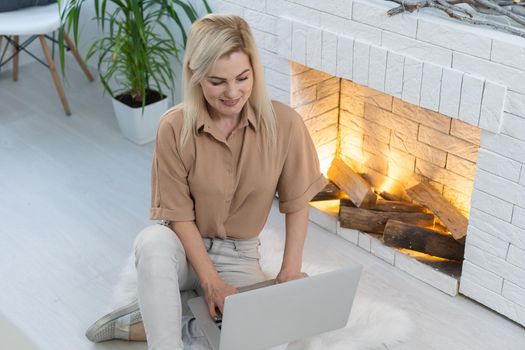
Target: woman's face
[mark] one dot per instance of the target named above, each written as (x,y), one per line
(228,84)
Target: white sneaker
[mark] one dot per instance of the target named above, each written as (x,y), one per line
(116,324)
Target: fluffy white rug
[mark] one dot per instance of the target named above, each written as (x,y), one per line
(372,324)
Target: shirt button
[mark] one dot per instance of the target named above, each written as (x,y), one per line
(229,170)
(228,201)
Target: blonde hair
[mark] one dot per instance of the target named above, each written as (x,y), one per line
(209,39)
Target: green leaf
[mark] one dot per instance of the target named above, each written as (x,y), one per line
(137,46)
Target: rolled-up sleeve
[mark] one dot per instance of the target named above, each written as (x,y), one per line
(301,178)
(170,193)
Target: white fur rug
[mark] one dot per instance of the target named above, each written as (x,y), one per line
(372,324)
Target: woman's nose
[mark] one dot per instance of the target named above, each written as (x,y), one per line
(231,91)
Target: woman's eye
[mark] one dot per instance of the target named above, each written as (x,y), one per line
(217,83)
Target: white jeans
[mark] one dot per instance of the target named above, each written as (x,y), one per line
(163,272)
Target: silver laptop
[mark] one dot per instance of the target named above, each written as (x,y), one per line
(268,314)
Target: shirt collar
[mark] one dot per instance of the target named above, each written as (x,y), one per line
(250,115)
(205,121)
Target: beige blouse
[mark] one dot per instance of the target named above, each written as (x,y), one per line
(227,185)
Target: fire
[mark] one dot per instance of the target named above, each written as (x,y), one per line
(421,256)
(330,206)
(325,165)
(386,186)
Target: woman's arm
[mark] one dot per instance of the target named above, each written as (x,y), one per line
(215,289)
(296,226)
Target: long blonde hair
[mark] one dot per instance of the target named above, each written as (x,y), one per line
(209,39)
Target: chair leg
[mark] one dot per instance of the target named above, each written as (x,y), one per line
(77,57)
(16,39)
(54,74)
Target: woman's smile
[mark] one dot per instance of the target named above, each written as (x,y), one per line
(230,103)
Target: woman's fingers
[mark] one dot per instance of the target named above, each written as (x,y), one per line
(211,309)
(215,306)
(220,305)
(215,296)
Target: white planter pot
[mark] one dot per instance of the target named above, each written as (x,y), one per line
(137,127)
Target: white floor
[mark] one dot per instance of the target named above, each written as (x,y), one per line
(74,193)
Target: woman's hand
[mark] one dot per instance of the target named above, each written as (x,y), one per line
(286,275)
(214,293)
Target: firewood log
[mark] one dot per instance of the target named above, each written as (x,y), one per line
(384,205)
(352,184)
(329,192)
(374,221)
(446,212)
(402,235)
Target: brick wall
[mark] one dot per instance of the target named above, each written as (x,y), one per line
(470,74)
(398,144)
(394,144)
(315,96)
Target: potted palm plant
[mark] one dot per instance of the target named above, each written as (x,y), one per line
(135,55)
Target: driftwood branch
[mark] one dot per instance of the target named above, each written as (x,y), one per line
(513,11)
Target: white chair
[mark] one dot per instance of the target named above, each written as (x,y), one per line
(36,22)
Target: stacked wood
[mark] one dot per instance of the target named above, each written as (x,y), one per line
(374,221)
(425,195)
(329,192)
(352,184)
(402,235)
(402,224)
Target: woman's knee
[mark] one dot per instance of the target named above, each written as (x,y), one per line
(157,239)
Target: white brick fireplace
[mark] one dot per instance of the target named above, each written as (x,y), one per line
(467,73)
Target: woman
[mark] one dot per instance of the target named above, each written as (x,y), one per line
(219,159)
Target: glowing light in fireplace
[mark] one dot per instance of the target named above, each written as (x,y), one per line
(386,186)
(421,256)
(325,165)
(329,206)
(394,145)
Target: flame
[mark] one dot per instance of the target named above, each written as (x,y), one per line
(325,165)
(387,186)
(421,256)
(330,206)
